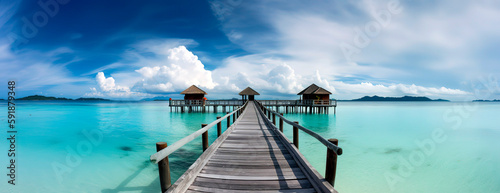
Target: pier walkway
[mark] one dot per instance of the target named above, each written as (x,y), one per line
(252,155)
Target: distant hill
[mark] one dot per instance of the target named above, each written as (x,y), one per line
(46,98)
(91,99)
(496,100)
(405,98)
(42,98)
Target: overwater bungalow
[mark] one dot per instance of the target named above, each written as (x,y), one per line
(195,100)
(248,94)
(315,93)
(193,93)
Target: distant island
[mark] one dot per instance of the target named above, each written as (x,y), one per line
(91,99)
(405,98)
(46,98)
(496,100)
(42,98)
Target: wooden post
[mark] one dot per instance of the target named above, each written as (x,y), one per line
(164,169)
(204,138)
(331,163)
(228,121)
(274,119)
(296,135)
(234,117)
(219,127)
(281,123)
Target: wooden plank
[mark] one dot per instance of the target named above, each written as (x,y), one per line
(253,178)
(251,185)
(229,163)
(194,189)
(254,172)
(249,165)
(229,150)
(246,146)
(253,157)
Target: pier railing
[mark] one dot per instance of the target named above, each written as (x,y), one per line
(298,102)
(206,103)
(333,150)
(264,102)
(163,150)
(225,102)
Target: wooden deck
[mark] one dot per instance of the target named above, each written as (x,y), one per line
(251,156)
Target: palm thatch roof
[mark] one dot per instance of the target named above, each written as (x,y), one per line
(248,91)
(314,89)
(193,90)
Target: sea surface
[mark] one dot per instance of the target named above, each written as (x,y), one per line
(388,146)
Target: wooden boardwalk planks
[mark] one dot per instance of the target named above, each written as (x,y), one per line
(250,157)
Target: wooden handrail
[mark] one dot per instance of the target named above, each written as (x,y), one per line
(307,102)
(162,154)
(325,142)
(207,102)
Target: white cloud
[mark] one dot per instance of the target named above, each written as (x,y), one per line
(108,88)
(284,79)
(181,69)
(108,84)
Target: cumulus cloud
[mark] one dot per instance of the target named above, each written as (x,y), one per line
(171,70)
(108,84)
(284,79)
(108,88)
(181,69)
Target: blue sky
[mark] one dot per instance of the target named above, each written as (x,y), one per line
(141,49)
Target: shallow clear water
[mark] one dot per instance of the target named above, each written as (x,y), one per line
(59,149)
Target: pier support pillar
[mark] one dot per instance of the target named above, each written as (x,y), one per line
(204,138)
(296,135)
(281,123)
(219,127)
(228,121)
(331,163)
(164,169)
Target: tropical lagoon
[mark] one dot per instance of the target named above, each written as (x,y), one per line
(388,146)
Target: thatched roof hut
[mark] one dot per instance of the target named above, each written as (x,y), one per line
(314,92)
(248,92)
(193,93)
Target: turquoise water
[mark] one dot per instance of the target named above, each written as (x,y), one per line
(59,148)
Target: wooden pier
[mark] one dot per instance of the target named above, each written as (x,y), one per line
(204,105)
(314,99)
(287,106)
(252,155)
(301,106)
